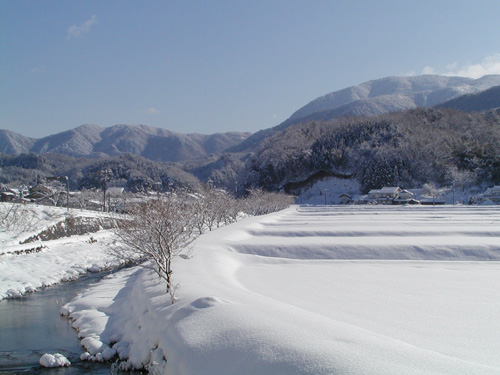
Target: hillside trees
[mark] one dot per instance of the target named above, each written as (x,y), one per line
(407,149)
(139,174)
(224,172)
(282,158)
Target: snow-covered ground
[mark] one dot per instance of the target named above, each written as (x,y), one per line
(328,190)
(54,261)
(314,290)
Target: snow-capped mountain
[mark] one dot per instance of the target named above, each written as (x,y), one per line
(390,94)
(14,143)
(92,140)
(394,94)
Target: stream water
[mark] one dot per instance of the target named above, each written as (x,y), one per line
(31,326)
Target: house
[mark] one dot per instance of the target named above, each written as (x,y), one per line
(493,194)
(405,195)
(115,191)
(405,201)
(39,191)
(431,202)
(345,199)
(390,195)
(7,196)
(385,195)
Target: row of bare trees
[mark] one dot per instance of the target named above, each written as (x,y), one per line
(161,228)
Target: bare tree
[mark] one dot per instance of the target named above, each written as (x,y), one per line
(15,218)
(158,229)
(213,207)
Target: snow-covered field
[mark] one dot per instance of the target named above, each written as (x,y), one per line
(314,290)
(56,260)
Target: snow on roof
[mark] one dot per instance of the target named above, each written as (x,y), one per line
(492,191)
(389,189)
(385,190)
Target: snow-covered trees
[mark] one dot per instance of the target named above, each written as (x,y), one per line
(158,230)
(407,149)
(260,202)
(213,207)
(15,217)
(162,228)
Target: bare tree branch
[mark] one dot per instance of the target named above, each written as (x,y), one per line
(158,229)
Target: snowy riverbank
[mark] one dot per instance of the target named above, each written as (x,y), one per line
(314,290)
(27,267)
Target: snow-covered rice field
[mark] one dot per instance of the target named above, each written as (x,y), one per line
(315,290)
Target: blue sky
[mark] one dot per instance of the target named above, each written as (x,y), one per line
(216,66)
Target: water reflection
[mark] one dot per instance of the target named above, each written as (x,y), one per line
(31,326)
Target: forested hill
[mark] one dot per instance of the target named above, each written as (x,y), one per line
(404,149)
(407,148)
(384,95)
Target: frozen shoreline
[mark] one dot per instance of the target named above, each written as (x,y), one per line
(246,313)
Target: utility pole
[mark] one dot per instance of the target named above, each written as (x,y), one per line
(67,192)
(104,174)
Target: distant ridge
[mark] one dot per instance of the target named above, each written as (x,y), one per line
(12,143)
(482,101)
(385,95)
(390,94)
(143,140)
(397,93)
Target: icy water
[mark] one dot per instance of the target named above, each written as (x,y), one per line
(31,326)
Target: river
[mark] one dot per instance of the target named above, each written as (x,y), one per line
(31,326)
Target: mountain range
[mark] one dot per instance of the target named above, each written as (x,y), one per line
(391,94)
(344,132)
(143,140)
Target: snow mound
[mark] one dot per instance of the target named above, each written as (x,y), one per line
(54,360)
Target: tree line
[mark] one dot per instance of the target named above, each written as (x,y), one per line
(163,227)
(407,149)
